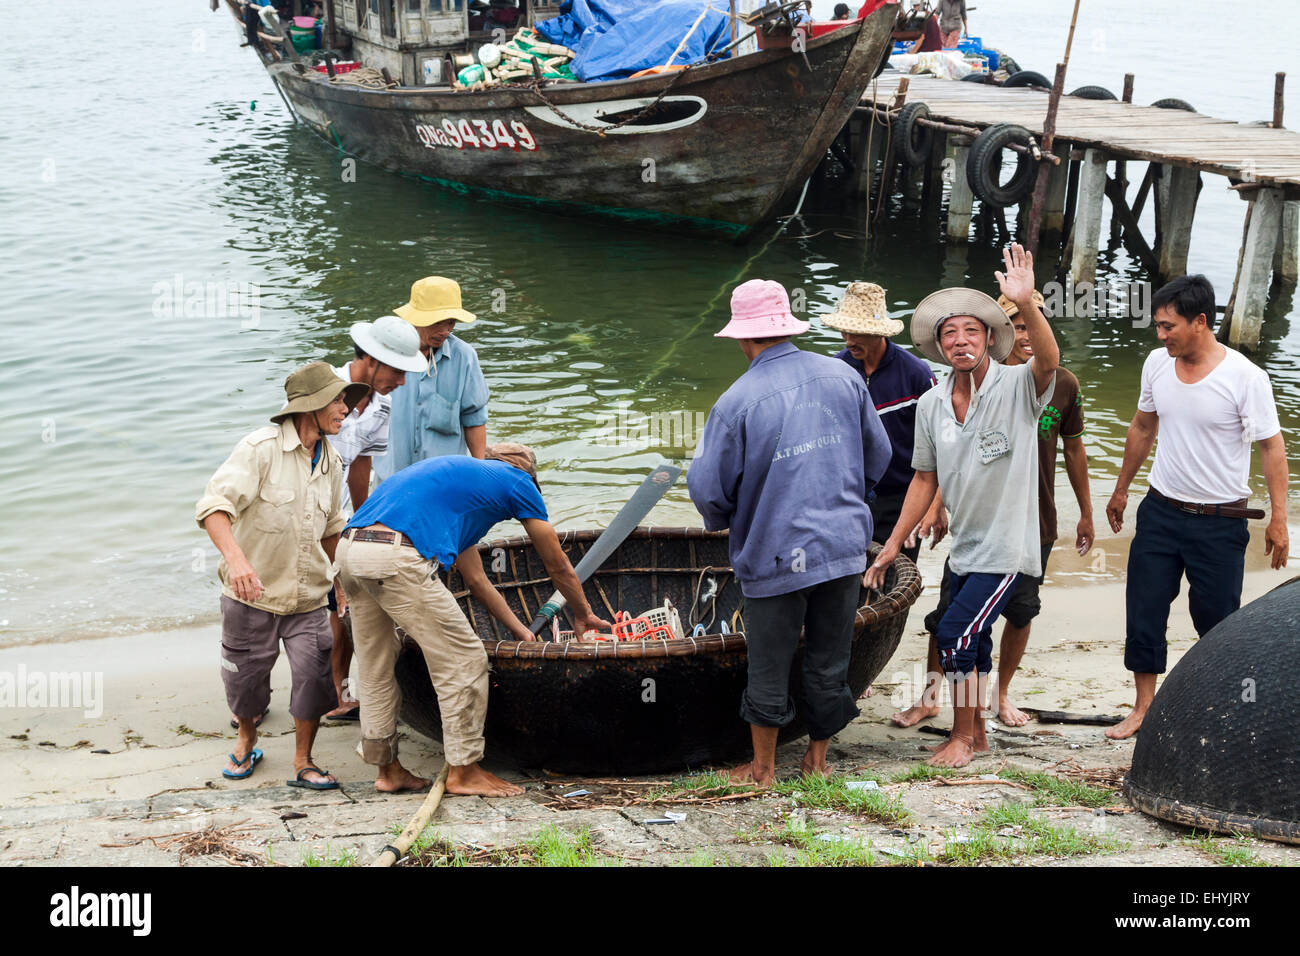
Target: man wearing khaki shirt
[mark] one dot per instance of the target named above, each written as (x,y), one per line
(273,511)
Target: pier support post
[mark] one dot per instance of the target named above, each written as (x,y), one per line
(1286,255)
(1087,217)
(914,182)
(1054,202)
(960,197)
(932,195)
(1256,266)
(1176,194)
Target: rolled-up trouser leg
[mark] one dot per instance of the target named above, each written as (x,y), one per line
(828,704)
(458,665)
(771,638)
(965,633)
(308,640)
(365,568)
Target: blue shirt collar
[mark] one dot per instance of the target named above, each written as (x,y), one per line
(774,352)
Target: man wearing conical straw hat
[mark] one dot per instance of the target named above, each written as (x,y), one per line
(977,444)
(273,510)
(896,379)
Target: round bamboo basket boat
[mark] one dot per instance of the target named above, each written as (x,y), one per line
(633,707)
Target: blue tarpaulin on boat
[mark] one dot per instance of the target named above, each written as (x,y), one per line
(616,38)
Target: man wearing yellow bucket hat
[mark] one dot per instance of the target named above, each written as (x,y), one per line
(442,411)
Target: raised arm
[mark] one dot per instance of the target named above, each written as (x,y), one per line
(1277,540)
(1141,438)
(470,566)
(1017,284)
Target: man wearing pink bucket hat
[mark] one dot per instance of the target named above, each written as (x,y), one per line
(785,462)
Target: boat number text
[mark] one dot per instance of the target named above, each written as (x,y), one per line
(477,133)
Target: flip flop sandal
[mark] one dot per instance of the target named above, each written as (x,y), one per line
(313,784)
(234,724)
(251,758)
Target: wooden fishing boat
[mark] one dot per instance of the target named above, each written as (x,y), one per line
(633,707)
(721,146)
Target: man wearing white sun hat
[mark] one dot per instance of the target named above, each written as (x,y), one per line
(977,444)
(386,350)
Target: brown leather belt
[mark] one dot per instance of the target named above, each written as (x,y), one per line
(381,537)
(1231,509)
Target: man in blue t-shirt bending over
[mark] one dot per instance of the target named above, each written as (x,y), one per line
(430,514)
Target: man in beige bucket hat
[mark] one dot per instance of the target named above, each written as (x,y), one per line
(273,511)
(896,380)
(442,411)
(976,443)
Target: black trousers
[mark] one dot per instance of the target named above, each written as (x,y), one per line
(1168,543)
(824,612)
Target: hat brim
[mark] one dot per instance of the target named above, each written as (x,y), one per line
(856,325)
(366,341)
(420,318)
(939,306)
(352,393)
(763,328)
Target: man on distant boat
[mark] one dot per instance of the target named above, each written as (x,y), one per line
(1063,416)
(442,411)
(423,518)
(976,443)
(273,511)
(951,15)
(1208,403)
(896,380)
(386,350)
(785,462)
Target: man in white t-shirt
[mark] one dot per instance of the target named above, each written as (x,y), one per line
(1208,403)
(386,350)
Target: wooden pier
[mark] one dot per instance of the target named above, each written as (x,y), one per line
(1094,142)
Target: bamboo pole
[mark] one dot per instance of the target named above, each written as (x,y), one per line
(397,849)
(1279,81)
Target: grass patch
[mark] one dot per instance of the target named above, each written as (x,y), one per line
(1237,850)
(345,858)
(1032,836)
(1053,791)
(920,772)
(820,793)
(814,848)
(715,784)
(550,847)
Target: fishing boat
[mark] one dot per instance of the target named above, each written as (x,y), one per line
(633,707)
(722,146)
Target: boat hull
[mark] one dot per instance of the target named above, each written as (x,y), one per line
(633,708)
(722,150)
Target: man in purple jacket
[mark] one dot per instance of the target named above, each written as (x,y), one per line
(785,462)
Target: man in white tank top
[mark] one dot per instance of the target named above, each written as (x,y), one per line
(1208,403)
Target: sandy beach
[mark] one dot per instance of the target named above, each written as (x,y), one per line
(163,727)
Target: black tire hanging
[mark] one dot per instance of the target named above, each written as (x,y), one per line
(1094,93)
(1028,78)
(1008,64)
(1174,103)
(914,139)
(976,78)
(984,164)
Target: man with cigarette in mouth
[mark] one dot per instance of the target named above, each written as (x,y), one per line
(977,444)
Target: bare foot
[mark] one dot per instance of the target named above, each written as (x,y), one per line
(1010,715)
(812,767)
(400,780)
(958,752)
(935,748)
(1127,727)
(473,780)
(980,741)
(913,715)
(747,774)
(866,693)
